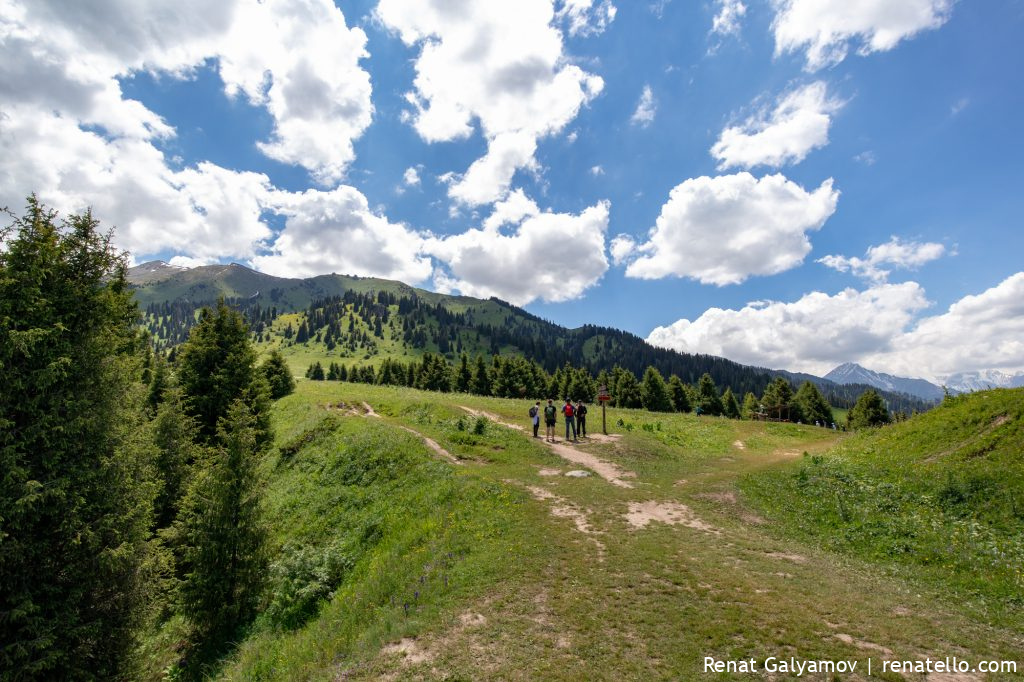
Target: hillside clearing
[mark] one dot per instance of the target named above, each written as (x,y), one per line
(577,578)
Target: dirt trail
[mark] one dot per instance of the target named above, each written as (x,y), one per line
(429,442)
(671,513)
(432,444)
(606,470)
(493,417)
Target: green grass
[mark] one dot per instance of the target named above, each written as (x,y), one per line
(941,496)
(363,516)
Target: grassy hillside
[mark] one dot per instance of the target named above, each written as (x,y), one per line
(941,494)
(475,556)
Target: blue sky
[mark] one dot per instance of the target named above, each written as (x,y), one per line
(790,183)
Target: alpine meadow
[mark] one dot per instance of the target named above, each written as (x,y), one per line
(549,340)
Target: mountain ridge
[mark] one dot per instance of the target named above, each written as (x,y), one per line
(277,306)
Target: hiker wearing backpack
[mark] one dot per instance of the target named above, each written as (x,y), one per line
(535,418)
(570,419)
(581,419)
(549,421)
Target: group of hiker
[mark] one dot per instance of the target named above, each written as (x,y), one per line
(575,420)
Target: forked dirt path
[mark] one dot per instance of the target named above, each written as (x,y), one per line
(429,442)
(606,470)
(433,445)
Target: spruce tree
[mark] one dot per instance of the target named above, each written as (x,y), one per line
(277,375)
(481,378)
(216,367)
(730,406)
(778,400)
(222,532)
(750,405)
(812,404)
(870,410)
(654,395)
(628,390)
(677,392)
(464,378)
(174,434)
(707,396)
(75,501)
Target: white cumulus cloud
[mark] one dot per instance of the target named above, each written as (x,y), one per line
(797,124)
(724,229)
(880,327)
(646,108)
(411,176)
(537,256)
(978,332)
(335,231)
(826,28)
(728,17)
(68,133)
(295,58)
(894,253)
(813,334)
(586,17)
(500,66)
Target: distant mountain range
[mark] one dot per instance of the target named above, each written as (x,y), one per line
(408,322)
(962,382)
(965,382)
(852,373)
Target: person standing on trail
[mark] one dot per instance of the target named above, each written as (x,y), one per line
(581,419)
(549,421)
(570,419)
(535,418)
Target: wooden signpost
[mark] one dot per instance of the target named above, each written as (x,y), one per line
(603,397)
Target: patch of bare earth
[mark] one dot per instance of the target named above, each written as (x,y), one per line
(739,445)
(345,409)
(563,509)
(795,558)
(369,410)
(410,652)
(861,644)
(671,513)
(549,472)
(606,470)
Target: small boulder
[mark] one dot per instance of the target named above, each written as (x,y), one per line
(577,473)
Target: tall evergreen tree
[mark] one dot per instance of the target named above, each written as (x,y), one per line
(778,400)
(464,378)
(627,390)
(222,532)
(677,392)
(751,406)
(216,367)
(75,504)
(174,433)
(654,395)
(277,375)
(730,406)
(707,396)
(481,378)
(870,410)
(812,404)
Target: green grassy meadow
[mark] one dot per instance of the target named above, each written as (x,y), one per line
(391,562)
